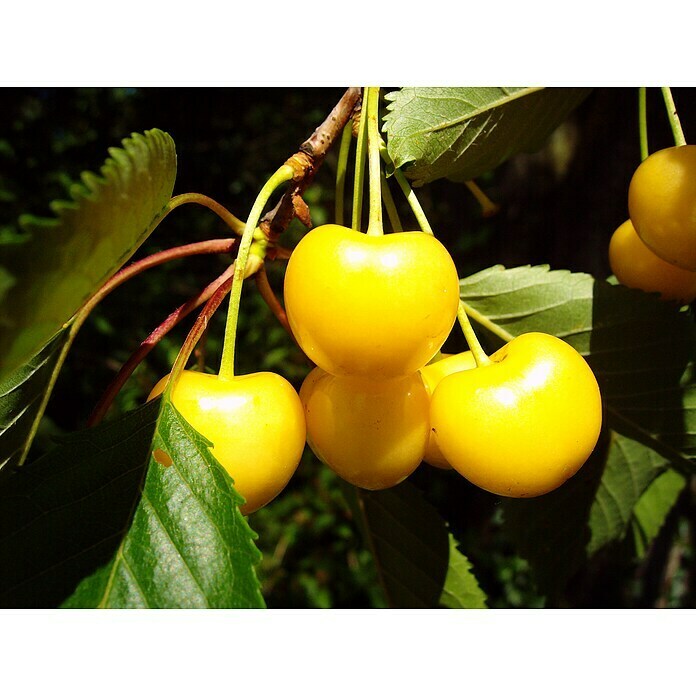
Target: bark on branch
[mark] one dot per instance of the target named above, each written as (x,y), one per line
(306,161)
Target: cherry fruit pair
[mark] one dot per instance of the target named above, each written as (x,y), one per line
(655,250)
(370,311)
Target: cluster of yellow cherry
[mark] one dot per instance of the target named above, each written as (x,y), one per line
(371,311)
(655,249)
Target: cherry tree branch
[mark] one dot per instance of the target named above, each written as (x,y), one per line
(306,161)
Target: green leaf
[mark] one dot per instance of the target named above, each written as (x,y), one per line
(417,562)
(559,531)
(46,279)
(463,132)
(63,515)
(188,545)
(629,469)
(461,590)
(23,397)
(77,512)
(640,348)
(653,507)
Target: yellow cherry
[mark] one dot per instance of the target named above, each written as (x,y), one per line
(372,433)
(255,422)
(370,306)
(523,425)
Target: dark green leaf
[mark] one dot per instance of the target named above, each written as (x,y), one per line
(67,515)
(188,545)
(640,348)
(559,531)
(463,132)
(46,279)
(417,563)
(461,590)
(629,469)
(22,401)
(653,507)
(63,516)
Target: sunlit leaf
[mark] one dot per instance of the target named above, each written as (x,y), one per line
(463,132)
(461,590)
(65,259)
(188,545)
(653,507)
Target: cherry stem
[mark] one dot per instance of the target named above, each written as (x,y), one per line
(392,212)
(110,393)
(673,117)
(284,173)
(488,208)
(301,167)
(211,246)
(233,222)
(199,352)
(406,189)
(375,227)
(341,169)
(359,174)
(469,334)
(304,163)
(198,328)
(269,297)
(643,123)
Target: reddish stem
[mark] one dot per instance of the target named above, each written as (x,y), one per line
(200,351)
(278,253)
(107,398)
(211,246)
(305,162)
(272,301)
(201,324)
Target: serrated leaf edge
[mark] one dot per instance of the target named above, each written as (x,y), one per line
(491,106)
(91,184)
(119,556)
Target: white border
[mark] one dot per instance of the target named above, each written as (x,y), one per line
(347,652)
(315,43)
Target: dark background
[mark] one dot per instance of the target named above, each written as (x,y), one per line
(558,207)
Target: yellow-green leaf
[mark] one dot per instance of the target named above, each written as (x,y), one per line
(63,260)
